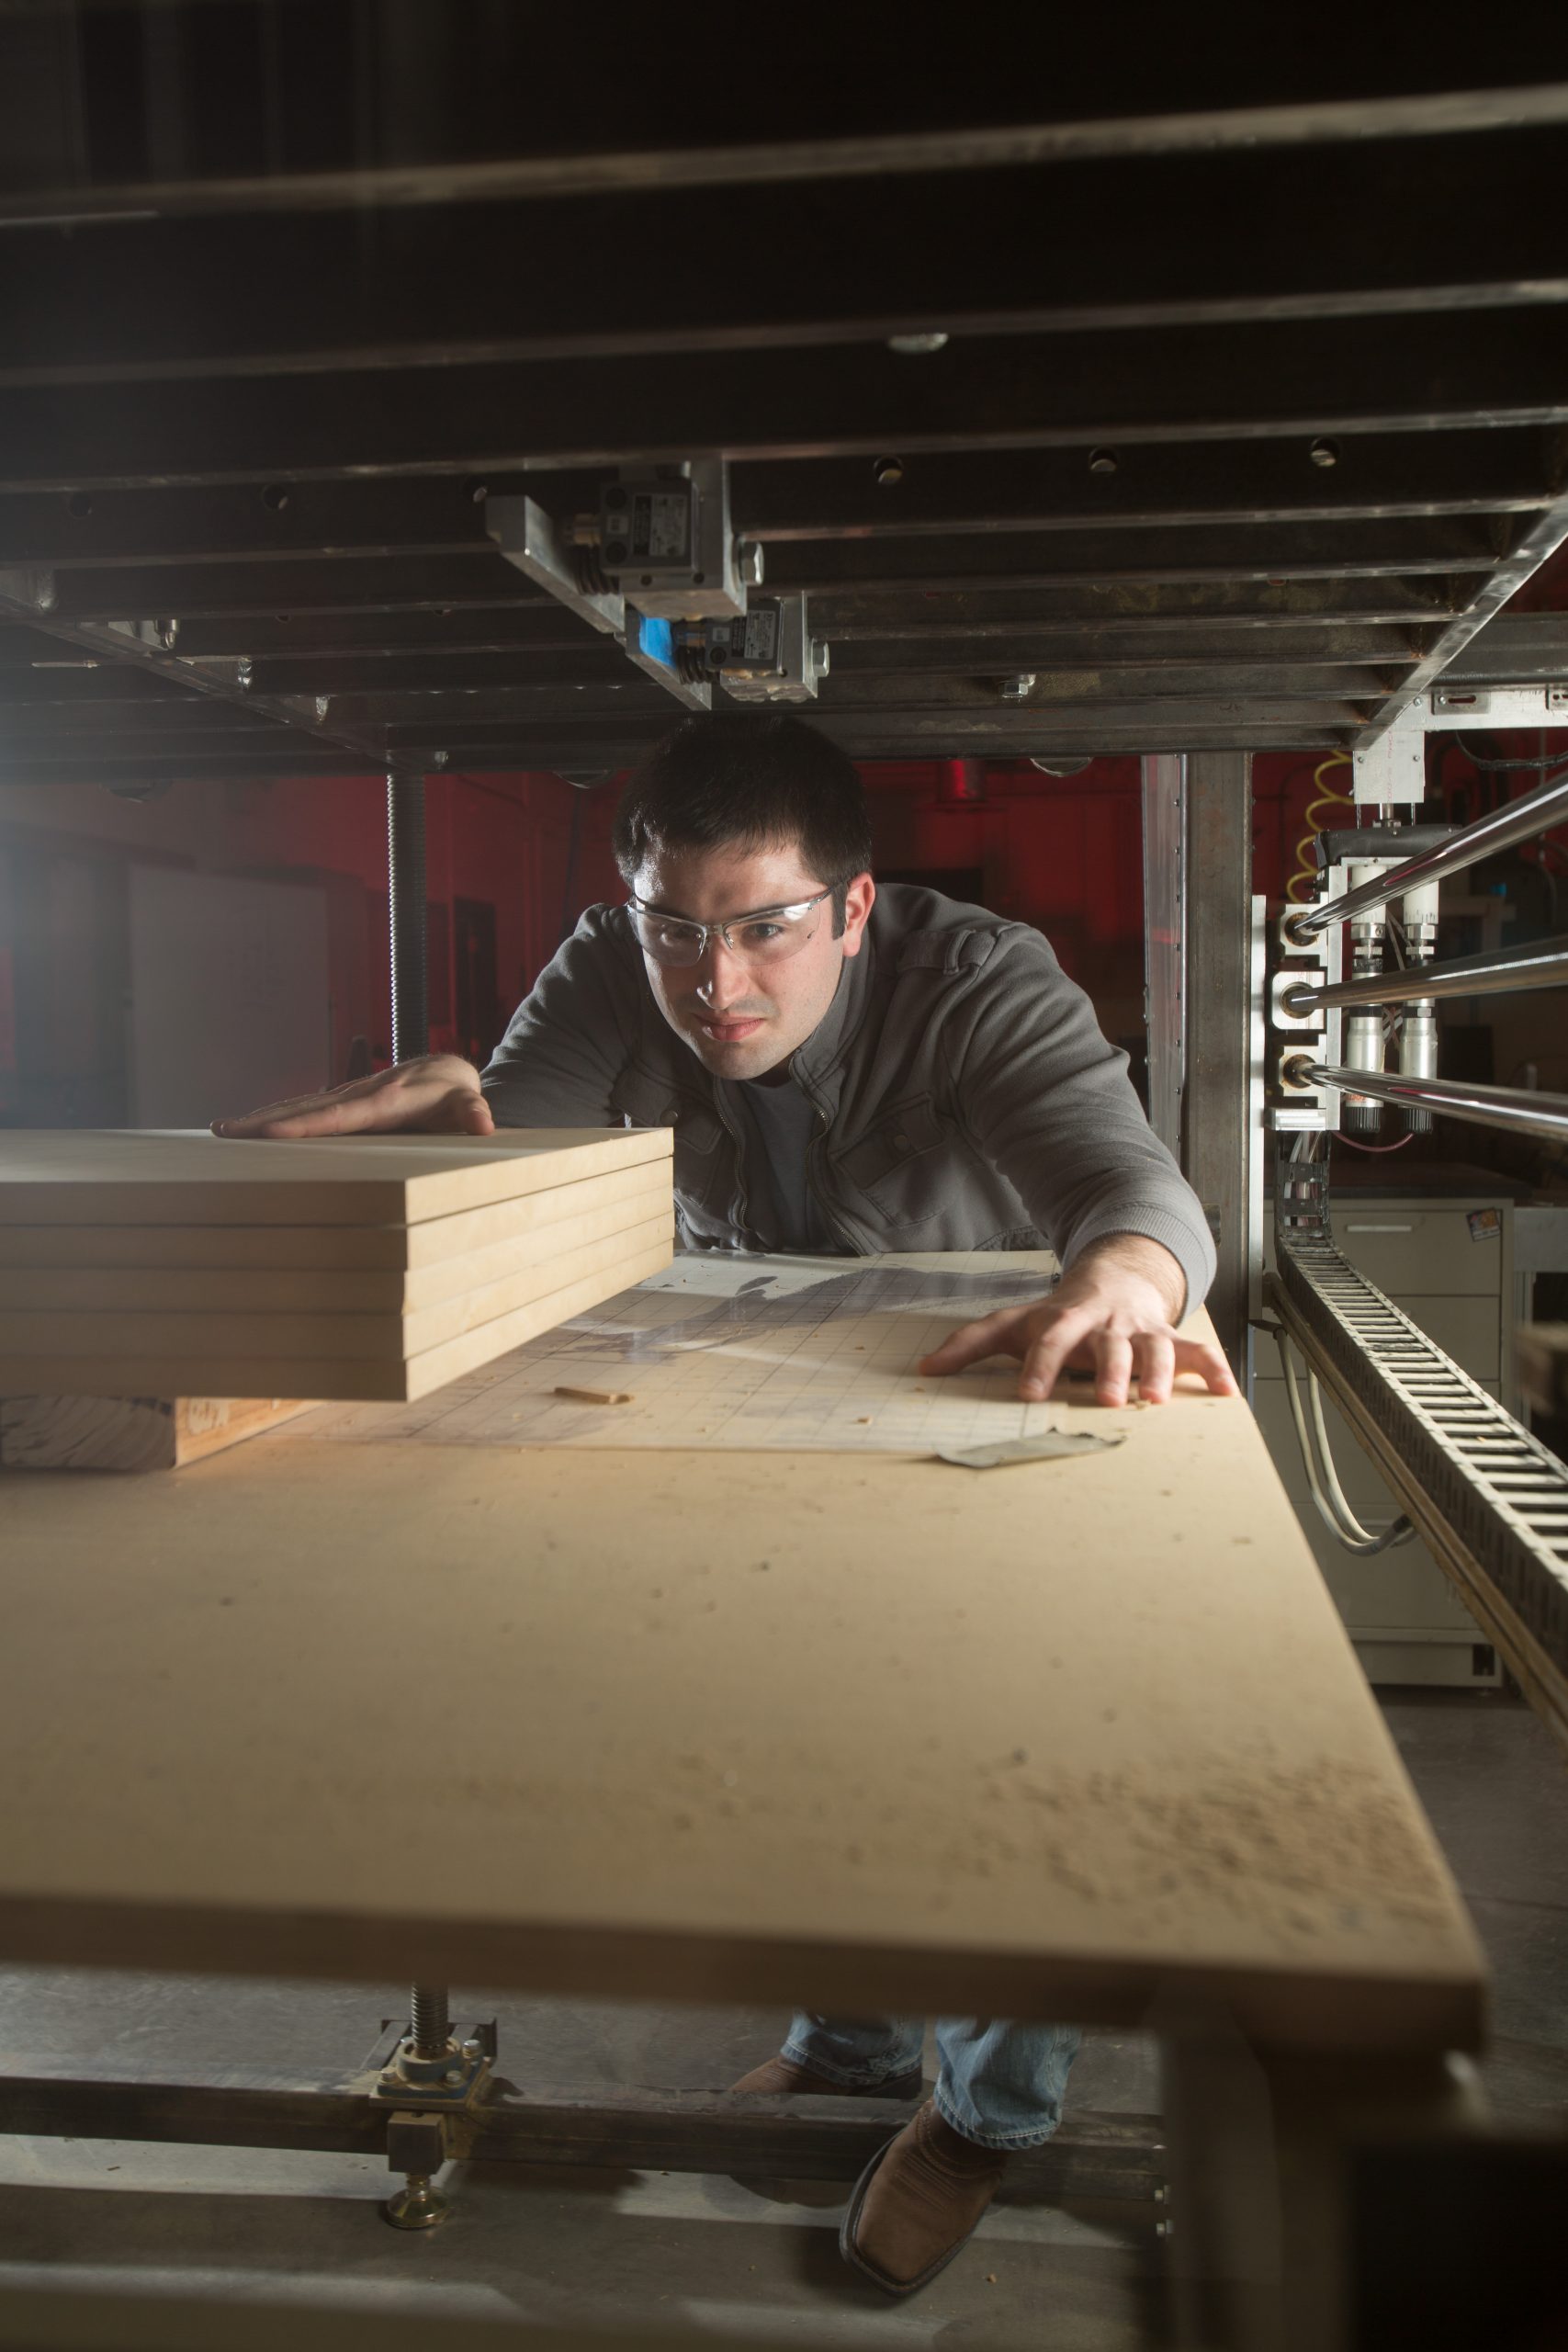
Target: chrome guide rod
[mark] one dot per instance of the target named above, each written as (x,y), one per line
(1543,965)
(1511,1107)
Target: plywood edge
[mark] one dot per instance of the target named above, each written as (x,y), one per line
(391,1332)
(326,1380)
(1288,2010)
(370,1194)
(397,1247)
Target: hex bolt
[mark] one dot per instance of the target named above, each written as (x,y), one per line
(1018,687)
(323,703)
(454,2077)
(1325,453)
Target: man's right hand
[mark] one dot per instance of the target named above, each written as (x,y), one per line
(437,1094)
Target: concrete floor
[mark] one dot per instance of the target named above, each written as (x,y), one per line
(654,2249)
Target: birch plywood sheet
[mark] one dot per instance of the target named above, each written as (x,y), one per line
(776,1355)
(305,1248)
(164,1177)
(240,1375)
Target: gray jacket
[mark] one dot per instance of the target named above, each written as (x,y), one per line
(964,1096)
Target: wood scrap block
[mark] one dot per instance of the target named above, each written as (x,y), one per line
(130,1432)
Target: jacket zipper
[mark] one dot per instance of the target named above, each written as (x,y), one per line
(813,1160)
(738,1140)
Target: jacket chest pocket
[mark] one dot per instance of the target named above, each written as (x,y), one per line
(905,1165)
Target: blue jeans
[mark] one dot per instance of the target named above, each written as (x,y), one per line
(1000,2085)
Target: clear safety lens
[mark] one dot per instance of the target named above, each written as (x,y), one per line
(766,937)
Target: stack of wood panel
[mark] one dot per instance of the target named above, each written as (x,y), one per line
(158,1264)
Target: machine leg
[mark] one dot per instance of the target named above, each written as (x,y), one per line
(1265,2154)
(430,2064)
(417,2205)
(405,899)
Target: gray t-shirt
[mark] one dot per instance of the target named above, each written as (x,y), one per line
(780,1124)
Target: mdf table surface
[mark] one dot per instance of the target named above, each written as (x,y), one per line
(1080,1737)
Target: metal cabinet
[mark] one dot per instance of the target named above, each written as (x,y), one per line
(1449,1265)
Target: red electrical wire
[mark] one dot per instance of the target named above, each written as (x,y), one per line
(1379,1147)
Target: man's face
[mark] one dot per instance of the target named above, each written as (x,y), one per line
(739,1018)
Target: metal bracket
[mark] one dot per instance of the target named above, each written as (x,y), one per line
(529,538)
(455,2079)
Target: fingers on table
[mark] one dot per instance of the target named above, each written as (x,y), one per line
(426,1104)
(1156,1366)
(1201,1355)
(1048,1350)
(989,1335)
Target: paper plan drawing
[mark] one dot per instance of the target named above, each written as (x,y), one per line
(777,1354)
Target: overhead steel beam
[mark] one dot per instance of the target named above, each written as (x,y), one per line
(1057,690)
(412,674)
(967,251)
(141,773)
(1498,470)
(1403,546)
(1111,607)
(457,180)
(535,630)
(1539,540)
(1515,649)
(298,584)
(452,704)
(1259,379)
(407,676)
(1293,610)
(1008,730)
(23,597)
(1325,479)
(1394,549)
(1158,652)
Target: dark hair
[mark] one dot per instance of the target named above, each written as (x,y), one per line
(754,778)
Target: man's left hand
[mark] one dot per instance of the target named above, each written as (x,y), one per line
(1111,1315)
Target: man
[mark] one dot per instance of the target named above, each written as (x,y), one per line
(849,1071)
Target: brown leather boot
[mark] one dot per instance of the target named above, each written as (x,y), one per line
(917,2203)
(783,2075)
